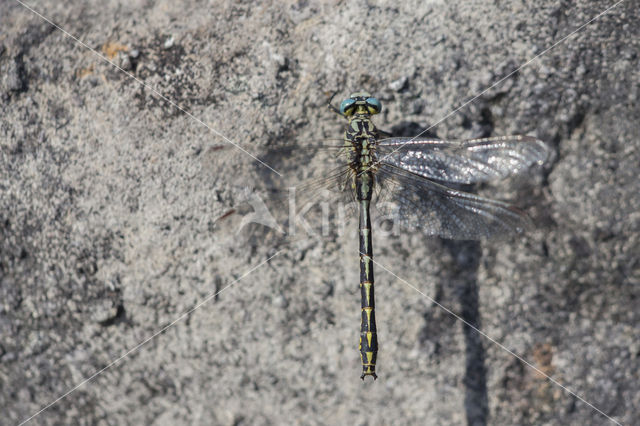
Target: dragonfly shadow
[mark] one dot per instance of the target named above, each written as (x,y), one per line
(410,129)
(461,283)
(466,259)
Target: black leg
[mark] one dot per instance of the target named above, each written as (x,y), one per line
(331,107)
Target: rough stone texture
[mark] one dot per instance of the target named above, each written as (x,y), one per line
(110,200)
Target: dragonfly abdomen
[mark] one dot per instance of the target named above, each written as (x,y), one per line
(368,333)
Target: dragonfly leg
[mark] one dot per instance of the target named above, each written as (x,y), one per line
(331,107)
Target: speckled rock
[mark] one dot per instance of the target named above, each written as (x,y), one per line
(118,215)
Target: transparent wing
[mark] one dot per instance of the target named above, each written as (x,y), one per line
(335,187)
(418,203)
(465,162)
(287,211)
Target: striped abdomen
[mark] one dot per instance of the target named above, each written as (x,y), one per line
(368,332)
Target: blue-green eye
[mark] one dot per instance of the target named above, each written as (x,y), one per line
(373,105)
(344,105)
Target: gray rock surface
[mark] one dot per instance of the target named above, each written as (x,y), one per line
(110,200)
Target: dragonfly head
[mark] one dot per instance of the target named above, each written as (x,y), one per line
(360,104)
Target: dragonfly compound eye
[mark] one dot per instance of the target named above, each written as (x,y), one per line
(347,106)
(373,106)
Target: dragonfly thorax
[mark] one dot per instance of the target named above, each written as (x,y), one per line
(361,141)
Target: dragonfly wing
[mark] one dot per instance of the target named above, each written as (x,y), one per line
(465,162)
(335,186)
(419,203)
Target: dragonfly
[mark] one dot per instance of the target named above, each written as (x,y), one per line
(421,176)
(414,183)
